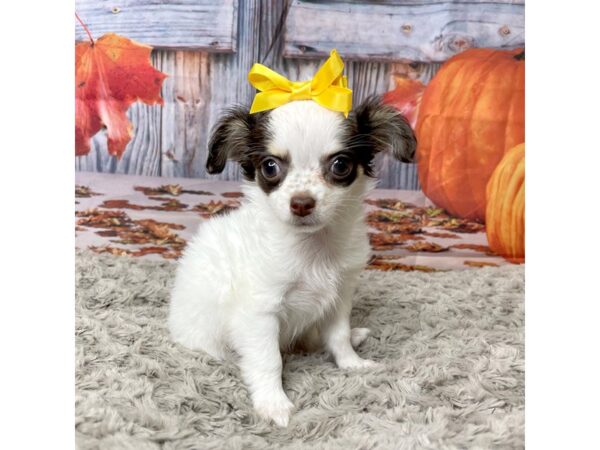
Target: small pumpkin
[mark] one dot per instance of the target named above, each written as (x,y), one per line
(471,113)
(505,210)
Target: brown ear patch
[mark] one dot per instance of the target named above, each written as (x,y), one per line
(376,127)
(237,136)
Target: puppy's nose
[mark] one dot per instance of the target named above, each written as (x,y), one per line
(302,204)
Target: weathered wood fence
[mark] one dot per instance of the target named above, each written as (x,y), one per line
(207,48)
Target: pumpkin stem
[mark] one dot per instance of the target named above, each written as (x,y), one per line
(520,56)
(87,30)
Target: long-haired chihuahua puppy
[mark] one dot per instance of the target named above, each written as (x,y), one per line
(281,270)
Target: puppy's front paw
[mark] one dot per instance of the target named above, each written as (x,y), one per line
(277,408)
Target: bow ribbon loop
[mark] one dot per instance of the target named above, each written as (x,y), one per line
(328,88)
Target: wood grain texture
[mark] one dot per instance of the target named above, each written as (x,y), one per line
(228,83)
(176,24)
(185,112)
(390,31)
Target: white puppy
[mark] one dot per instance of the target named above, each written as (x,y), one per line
(282,269)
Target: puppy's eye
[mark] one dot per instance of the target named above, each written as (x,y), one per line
(270,169)
(341,167)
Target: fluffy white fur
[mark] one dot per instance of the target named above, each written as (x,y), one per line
(260,280)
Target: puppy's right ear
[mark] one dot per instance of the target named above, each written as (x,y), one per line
(382,127)
(230,138)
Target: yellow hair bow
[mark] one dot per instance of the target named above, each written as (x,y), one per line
(328,87)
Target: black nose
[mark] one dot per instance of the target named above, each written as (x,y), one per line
(302,205)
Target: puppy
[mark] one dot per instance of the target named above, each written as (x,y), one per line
(281,270)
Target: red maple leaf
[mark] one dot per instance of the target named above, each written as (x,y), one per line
(406,98)
(110,74)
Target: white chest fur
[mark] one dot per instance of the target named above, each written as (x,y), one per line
(317,278)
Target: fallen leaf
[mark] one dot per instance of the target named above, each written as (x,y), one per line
(433,212)
(107,233)
(213,207)
(151,222)
(167,205)
(168,189)
(426,247)
(134,232)
(386,241)
(232,194)
(165,189)
(173,189)
(388,216)
(441,235)
(110,75)
(149,231)
(84,191)
(479,264)
(171,204)
(478,248)
(377,264)
(96,218)
(190,191)
(112,250)
(388,203)
(121,204)
(387,257)
(462,226)
(395,228)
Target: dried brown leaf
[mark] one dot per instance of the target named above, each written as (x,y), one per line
(386,241)
(232,194)
(216,207)
(384,265)
(103,219)
(84,191)
(426,247)
(478,248)
(168,189)
(441,235)
(401,228)
(480,264)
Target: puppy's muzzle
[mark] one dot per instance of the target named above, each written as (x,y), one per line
(302,205)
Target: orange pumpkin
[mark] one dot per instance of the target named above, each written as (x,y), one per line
(471,113)
(505,211)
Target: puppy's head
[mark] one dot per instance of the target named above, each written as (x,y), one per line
(309,163)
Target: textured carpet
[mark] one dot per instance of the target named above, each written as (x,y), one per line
(452,344)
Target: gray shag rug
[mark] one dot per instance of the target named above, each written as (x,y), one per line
(451,344)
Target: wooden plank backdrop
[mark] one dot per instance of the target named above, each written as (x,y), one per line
(171,140)
(421,30)
(177,24)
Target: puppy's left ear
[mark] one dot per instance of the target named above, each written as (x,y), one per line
(237,136)
(381,127)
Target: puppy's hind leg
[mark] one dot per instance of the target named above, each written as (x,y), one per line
(358,336)
(256,339)
(312,341)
